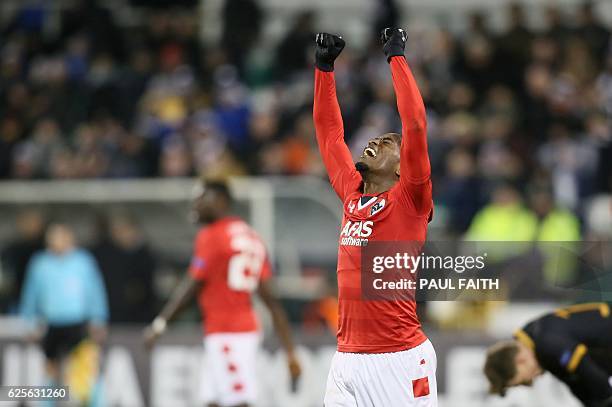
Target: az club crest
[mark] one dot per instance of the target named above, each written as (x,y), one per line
(377,207)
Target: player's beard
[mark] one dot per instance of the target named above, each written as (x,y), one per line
(362,167)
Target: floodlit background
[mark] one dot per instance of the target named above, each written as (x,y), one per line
(109,109)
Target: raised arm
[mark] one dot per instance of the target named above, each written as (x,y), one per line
(415,169)
(329,128)
(414,165)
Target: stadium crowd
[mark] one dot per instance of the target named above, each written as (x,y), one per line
(90,98)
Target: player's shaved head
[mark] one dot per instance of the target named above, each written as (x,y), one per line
(212,200)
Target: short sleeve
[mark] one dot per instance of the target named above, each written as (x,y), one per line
(201,258)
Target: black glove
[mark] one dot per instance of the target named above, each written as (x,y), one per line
(394,42)
(329,46)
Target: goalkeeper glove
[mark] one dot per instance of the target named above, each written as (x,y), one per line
(394,42)
(329,46)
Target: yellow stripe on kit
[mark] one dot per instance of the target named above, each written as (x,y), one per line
(577,356)
(602,307)
(525,339)
(605,310)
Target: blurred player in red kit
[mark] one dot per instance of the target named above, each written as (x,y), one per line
(229,264)
(383,357)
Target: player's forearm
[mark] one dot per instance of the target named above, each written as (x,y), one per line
(281,325)
(330,135)
(279,319)
(414,121)
(179,299)
(326,110)
(409,101)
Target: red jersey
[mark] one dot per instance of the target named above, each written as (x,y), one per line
(230,260)
(399,214)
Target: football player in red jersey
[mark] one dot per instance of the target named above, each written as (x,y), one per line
(383,357)
(229,264)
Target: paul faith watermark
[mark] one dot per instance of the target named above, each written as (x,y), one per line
(409,263)
(438,284)
(407,271)
(485,271)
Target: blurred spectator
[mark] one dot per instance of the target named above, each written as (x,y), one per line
(504,219)
(538,83)
(387,15)
(556,27)
(555,223)
(599,218)
(292,53)
(175,160)
(29,239)
(515,44)
(128,266)
(91,18)
(571,163)
(299,152)
(595,35)
(558,229)
(604,173)
(504,228)
(242,21)
(64,291)
(462,176)
(232,110)
(477,63)
(36,158)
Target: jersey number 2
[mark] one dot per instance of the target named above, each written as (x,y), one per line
(246,264)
